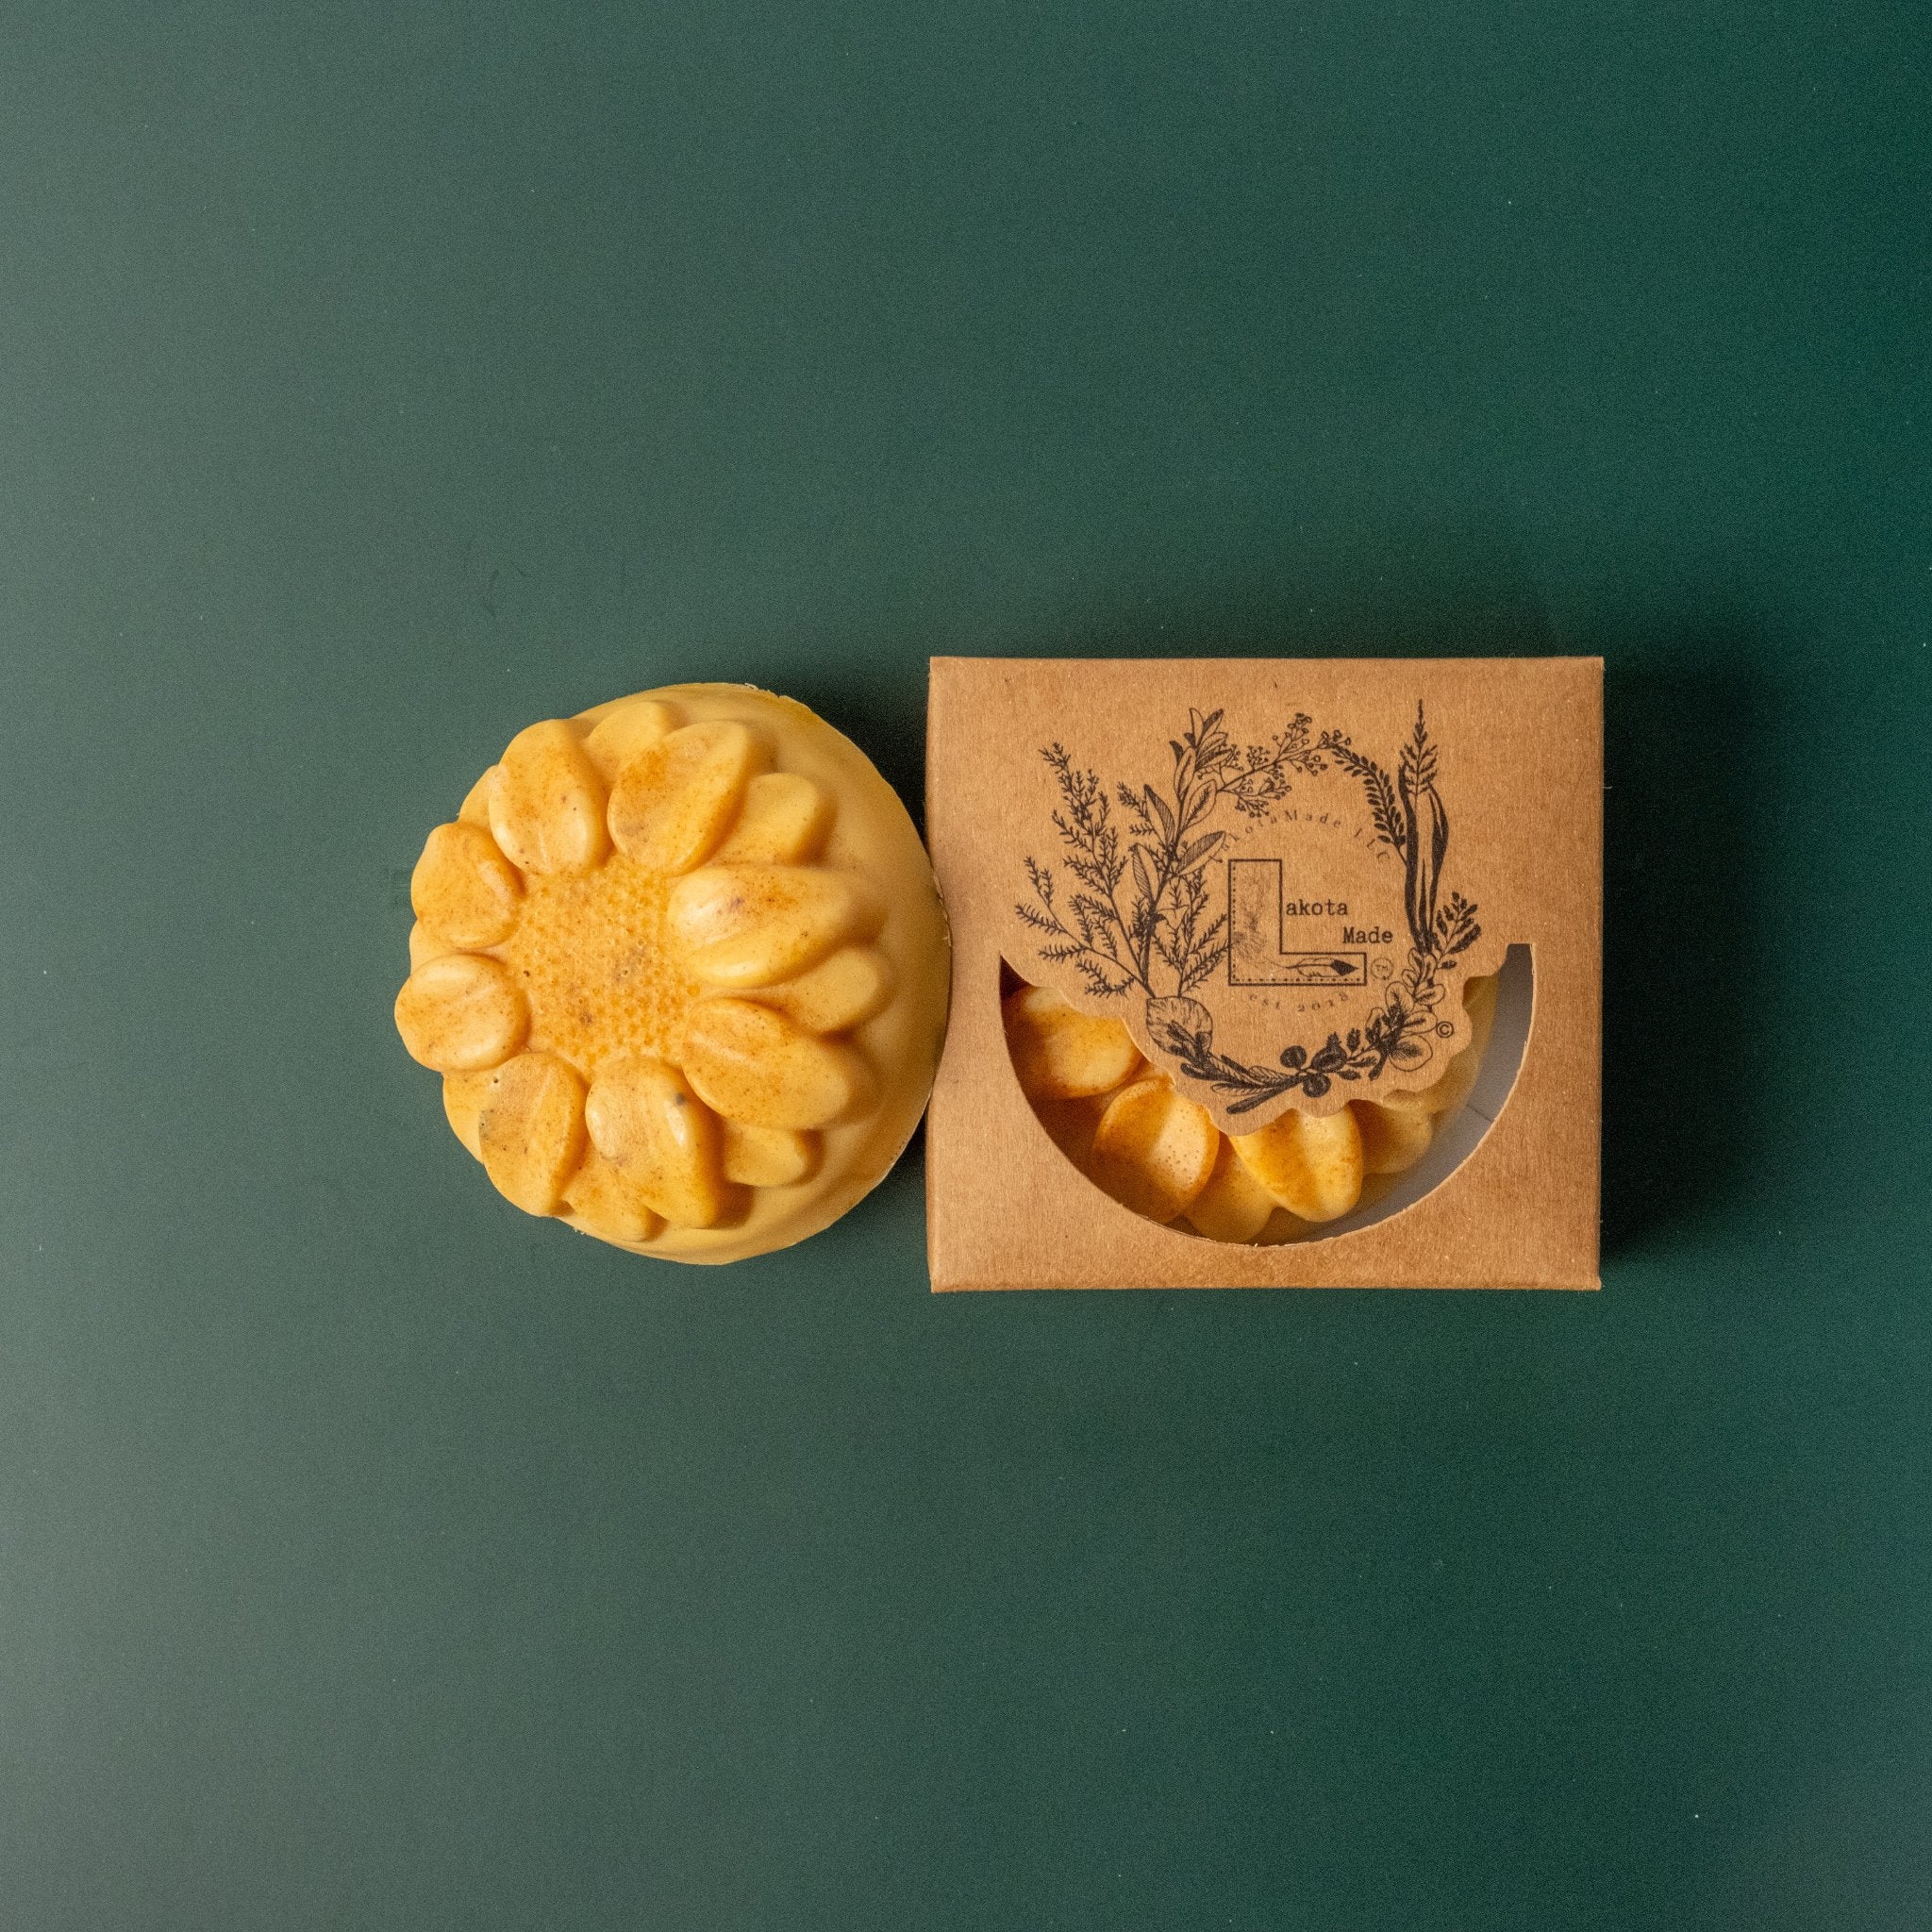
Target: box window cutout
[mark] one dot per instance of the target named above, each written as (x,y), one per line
(1137,1139)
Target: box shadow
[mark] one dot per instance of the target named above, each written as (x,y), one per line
(1685,1101)
(1686,729)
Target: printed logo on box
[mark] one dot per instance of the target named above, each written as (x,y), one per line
(1275,920)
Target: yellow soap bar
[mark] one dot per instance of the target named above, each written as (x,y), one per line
(1234,1206)
(1161,1155)
(1154,1151)
(683,966)
(1061,1053)
(1311,1164)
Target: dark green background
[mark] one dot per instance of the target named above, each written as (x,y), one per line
(376,380)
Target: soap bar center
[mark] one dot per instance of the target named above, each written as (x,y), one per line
(589,953)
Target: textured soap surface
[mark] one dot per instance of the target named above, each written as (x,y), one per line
(683,968)
(1133,1134)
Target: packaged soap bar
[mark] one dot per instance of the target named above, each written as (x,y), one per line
(682,966)
(1124,1125)
(1247,955)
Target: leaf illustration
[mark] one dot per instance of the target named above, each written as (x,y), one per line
(1385,809)
(1330,1057)
(1179,1026)
(1166,927)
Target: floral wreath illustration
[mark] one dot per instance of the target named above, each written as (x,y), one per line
(1138,911)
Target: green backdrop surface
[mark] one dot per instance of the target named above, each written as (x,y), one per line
(376,380)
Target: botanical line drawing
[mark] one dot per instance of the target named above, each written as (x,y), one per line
(1137,913)
(1135,916)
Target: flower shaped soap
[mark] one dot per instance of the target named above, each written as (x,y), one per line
(682,966)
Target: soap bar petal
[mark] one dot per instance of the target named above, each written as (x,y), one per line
(660,1137)
(755,1065)
(460,1012)
(785,820)
(1448,1094)
(1392,1138)
(1060,1053)
(1480,996)
(425,946)
(604,1203)
(475,809)
(676,800)
(1154,1150)
(626,729)
(546,808)
(768,1157)
(531,1130)
(1234,1206)
(1458,1076)
(1312,1167)
(463,1097)
(838,994)
(749,925)
(464,888)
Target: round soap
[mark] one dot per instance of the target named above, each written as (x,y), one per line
(682,965)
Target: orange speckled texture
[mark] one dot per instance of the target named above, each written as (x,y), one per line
(683,967)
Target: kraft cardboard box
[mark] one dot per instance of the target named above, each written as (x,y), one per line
(1281,875)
